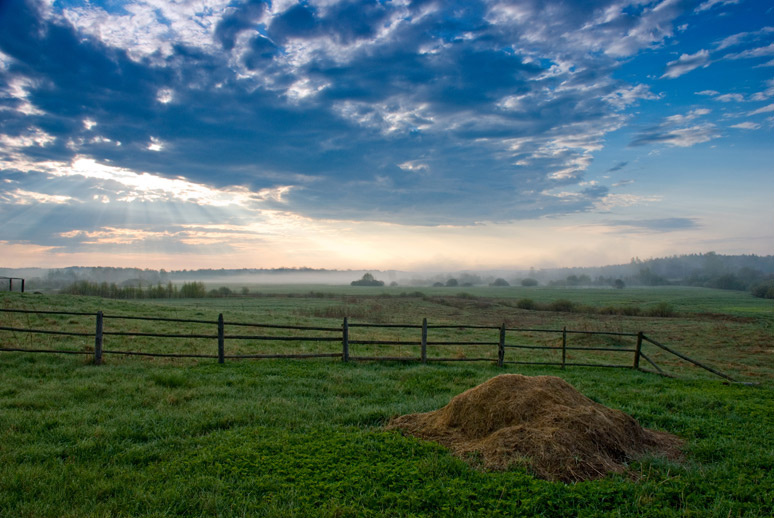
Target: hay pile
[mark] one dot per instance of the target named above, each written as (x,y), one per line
(541,422)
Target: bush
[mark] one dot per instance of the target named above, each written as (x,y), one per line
(500,282)
(526,304)
(662,309)
(529,282)
(764,290)
(563,305)
(367,280)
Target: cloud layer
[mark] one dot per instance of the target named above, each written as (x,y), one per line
(154,116)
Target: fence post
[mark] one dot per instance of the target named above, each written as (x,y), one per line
(345,341)
(637,351)
(98,340)
(564,346)
(424,340)
(221,340)
(22,285)
(501,347)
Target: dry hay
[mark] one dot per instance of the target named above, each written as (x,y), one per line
(541,422)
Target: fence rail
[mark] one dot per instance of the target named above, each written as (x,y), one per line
(342,336)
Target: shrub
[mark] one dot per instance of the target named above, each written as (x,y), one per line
(631,311)
(563,305)
(367,280)
(764,290)
(529,282)
(500,282)
(662,309)
(526,304)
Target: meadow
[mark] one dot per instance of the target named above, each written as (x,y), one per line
(190,437)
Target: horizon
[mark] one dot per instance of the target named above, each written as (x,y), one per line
(397,135)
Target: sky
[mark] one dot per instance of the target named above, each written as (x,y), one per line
(384,134)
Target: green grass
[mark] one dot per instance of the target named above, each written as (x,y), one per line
(157,437)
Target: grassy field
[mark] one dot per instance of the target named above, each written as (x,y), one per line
(170,437)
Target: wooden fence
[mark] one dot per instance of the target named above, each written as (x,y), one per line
(500,336)
(10,283)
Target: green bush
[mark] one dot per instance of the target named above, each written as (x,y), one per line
(563,305)
(764,290)
(662,309)
(526,304)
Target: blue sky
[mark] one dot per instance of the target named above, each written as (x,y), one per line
(384,134)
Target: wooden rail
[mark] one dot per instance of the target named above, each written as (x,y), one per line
(342,335)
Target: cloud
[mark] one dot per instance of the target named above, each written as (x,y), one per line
(765,109)
(709,4)
(727,98)
(739,38)
(685,63)
(683,137)
(617,167)
(747,125)
(657,225)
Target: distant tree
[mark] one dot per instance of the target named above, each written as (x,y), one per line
(529,281)
(437,285)
(500,282)
(393,284)
(367,280)
(619,284)
(764,290)
(452,283)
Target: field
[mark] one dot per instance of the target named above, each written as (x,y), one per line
(171,437)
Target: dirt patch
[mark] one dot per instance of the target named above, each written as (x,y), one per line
(541,422)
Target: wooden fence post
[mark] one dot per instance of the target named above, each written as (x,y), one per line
(637,351)
(221,340)
(98,340)
(564,346)
(345,341)
(22,285)
(501,347)
(424,340)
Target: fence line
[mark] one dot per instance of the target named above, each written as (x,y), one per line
(343,337)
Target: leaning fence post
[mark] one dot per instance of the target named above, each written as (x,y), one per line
(221,340)
(564,346)
(501,347)
(638,351)
(345,341)
(424,340)
(98,340)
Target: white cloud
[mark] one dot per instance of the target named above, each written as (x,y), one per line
(128,186)
(747,125)
(765,94)
(18,89)
(691,115)
(414,166)
(155,144)
(624,97)
(765,109)
(31,137)
(753,53)
(685,63)
(709,4)
(727,98)
(24,197)
(147,27)
(165,95)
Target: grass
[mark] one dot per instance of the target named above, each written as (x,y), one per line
(139,437)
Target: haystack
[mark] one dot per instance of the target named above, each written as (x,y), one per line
(541,422)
